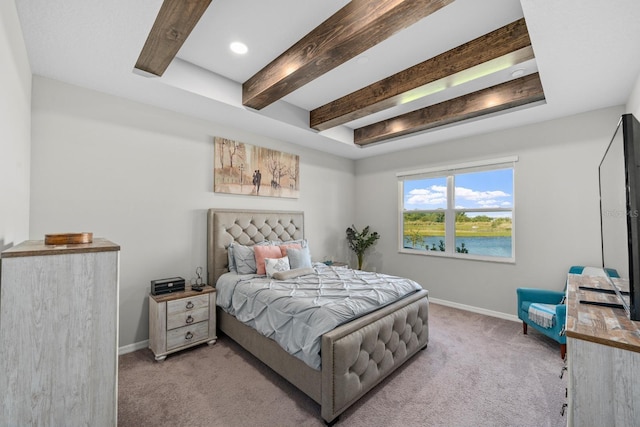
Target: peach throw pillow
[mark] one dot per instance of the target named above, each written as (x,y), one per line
(263,252)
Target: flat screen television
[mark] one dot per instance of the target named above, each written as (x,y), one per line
(619,174)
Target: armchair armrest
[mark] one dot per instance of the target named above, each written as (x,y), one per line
(543,296)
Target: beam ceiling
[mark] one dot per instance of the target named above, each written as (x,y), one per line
(358,26)
(504,47)
(175,21)
(514,93)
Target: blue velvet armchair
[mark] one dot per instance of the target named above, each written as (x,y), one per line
(528,296)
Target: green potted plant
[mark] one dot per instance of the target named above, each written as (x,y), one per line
(359,242)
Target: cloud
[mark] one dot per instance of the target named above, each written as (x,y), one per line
(434,195)
(482,197)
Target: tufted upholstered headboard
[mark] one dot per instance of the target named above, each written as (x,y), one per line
(246,227)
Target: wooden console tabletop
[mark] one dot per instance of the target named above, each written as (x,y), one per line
(598,324)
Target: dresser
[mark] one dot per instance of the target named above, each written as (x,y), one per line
(181,320)
(603,355)
(59,334)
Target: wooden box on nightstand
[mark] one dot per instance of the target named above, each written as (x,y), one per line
(181,320)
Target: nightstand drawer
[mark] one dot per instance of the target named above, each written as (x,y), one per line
(187,304)
(187,335)
(189,317)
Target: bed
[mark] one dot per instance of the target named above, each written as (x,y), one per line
(355,356)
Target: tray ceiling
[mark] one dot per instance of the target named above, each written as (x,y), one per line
(441,69)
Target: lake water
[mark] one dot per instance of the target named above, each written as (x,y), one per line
(487,246)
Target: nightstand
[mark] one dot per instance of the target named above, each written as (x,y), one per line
(181,320)
(336,264)
(339,264)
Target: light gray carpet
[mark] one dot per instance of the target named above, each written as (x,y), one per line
(477,371)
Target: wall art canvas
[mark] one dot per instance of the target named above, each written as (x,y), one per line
(240,168)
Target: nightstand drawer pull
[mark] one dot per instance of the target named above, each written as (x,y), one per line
(191,317)
(187,335)
(186,305)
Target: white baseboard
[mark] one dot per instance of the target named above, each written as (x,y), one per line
(144,344)
(473,309)
(133,347)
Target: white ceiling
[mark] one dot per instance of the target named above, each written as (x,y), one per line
(586,52)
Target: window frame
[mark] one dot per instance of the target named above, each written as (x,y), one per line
(449,172)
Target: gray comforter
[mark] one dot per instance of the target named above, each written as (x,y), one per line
(296,312)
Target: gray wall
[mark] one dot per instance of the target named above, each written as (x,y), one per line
(143,177)
(633,103)
(15,128)
(557,209)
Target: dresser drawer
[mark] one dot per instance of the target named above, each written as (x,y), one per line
(189,317)
(187,335)
(184,305)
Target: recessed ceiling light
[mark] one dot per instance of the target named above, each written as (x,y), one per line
(517,72)
(239,48)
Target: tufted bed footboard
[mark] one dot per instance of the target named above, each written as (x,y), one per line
(358,355)
(355,356)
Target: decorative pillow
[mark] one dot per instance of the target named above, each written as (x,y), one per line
(231,260)
(292,274)
(299,258)
(274,265)
(594,271)
(242,259)
(285,247)
(301,242)
(263,252)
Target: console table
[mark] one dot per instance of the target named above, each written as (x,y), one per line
(603,355)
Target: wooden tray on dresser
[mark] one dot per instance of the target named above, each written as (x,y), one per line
(68,238)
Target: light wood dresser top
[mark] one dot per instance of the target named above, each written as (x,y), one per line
(602,325)
(37,248)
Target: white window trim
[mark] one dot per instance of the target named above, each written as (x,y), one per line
(447,171)
(459,168)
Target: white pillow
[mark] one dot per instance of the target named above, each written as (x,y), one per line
(273,265)
(594,271)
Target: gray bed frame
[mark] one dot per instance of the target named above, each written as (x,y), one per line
(355,356)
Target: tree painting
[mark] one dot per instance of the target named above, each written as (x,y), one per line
(241,168)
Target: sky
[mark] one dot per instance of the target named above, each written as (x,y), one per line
(476,190)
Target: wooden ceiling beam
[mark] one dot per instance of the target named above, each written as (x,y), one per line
(175,21)
(358,26)
(514,93)
(504,47)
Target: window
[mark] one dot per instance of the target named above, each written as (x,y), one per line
(462,211)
